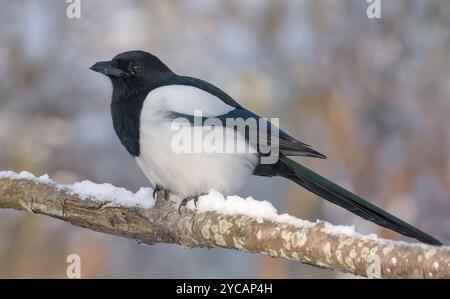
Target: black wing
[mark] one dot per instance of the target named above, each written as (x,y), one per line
(285,143)
(260,133)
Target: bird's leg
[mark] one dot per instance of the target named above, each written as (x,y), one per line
(160,190)
(185,201)
(166,193)
(155,190)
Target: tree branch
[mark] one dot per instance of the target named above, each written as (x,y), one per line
(310,244)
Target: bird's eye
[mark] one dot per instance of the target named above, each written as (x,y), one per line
(132,68)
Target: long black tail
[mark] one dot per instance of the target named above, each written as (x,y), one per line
(349,201)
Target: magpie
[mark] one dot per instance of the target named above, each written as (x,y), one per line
(148,97)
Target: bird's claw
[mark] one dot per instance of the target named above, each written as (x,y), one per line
(183,204)
(185,201)
(160,190)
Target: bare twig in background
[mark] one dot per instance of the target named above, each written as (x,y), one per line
(163,224)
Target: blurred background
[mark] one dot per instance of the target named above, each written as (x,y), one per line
(371,94)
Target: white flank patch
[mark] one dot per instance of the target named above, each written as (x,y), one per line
(186,99)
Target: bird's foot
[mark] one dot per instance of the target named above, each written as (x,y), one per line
(185,201)
(161,191)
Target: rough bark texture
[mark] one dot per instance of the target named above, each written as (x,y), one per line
(163,224)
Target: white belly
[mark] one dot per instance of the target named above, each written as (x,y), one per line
(188,174)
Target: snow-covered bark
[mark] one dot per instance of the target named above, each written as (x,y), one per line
(233,222)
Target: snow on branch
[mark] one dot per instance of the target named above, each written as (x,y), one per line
(234,223)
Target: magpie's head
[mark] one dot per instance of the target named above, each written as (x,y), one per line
(133,70)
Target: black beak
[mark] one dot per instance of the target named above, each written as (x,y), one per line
(108,68)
